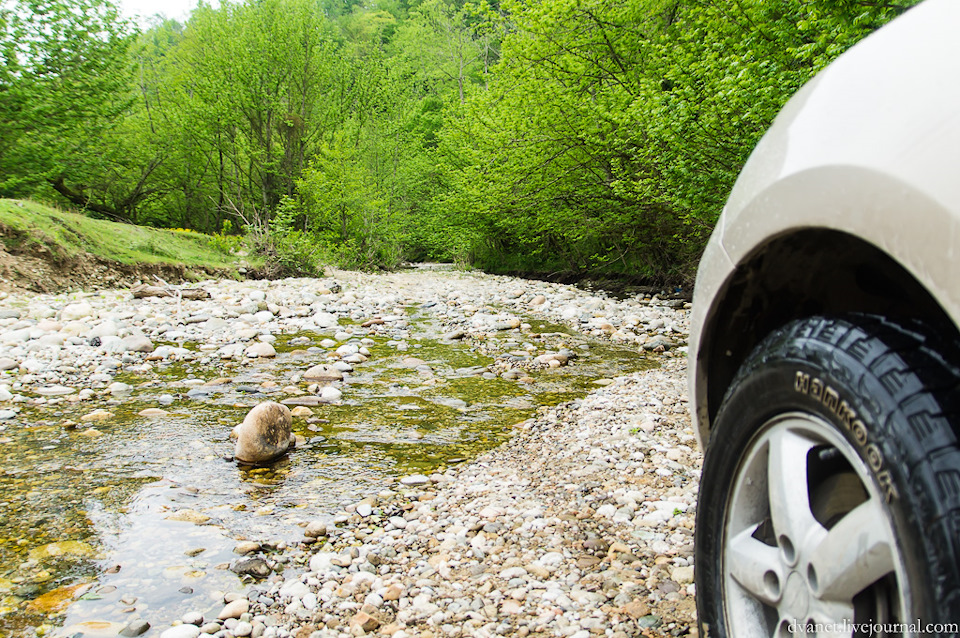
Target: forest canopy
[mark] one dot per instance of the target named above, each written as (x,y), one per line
(590,136)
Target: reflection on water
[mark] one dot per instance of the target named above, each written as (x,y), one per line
(137,516)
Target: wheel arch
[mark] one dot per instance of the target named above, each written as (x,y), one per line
(840,274)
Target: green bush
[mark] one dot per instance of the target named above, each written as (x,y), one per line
(296,253)
(227,244)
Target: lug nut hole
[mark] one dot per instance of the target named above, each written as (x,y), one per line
(772,582)
(789,552)
(812,578)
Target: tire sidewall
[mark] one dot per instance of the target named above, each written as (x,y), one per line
(828,384)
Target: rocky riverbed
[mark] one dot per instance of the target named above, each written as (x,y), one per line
(579,525)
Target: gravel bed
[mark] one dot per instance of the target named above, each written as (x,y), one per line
(581,525)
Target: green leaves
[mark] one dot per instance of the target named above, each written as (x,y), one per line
(65,80)
(559,134)
(613,131)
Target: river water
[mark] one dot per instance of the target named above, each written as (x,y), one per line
(137,516)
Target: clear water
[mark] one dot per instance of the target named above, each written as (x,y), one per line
(84,513)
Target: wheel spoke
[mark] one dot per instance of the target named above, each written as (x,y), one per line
(835,619)
(787,484)
(755,566)
(854,554)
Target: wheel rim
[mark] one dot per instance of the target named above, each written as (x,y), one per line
(807,537)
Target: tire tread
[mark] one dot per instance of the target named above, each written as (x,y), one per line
(907,378)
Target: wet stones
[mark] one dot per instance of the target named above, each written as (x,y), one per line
(264,434)
(234,609)
(580,524)
(423,559)
(260,350)
(246,547)
(189,516)
(323,373)
(135,628)
(329,394)
(256,567)
(315,529)
(97,415)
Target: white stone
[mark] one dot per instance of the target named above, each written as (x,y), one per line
(491,512)
(551,559)
(111,344)
(118,387)
(261,350)
(607,511)
(325,320)
(322,562)
(181,631)
(54,391)
(234,609)
(330,394)
(74,311)
(513,572)
(348,349)
(106,328)
(293,588)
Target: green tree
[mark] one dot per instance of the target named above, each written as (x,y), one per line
(262,85)
(65,81)
(612,131)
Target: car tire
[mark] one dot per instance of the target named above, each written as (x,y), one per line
(830,491)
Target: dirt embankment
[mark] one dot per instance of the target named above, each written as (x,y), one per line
(38,269)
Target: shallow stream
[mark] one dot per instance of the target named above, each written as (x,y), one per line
(86,506)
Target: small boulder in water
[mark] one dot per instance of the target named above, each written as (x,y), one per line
(264,434)
(256,567)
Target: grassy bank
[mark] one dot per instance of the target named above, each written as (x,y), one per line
(48,250)
(31,228)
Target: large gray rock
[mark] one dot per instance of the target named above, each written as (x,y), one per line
(106,328)
(323,373)
(262,350)
(79,310)
(264,434)
(137,343)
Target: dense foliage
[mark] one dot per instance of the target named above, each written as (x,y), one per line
(580,135)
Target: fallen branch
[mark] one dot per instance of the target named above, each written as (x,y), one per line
(146,290)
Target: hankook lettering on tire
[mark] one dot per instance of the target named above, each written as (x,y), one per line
(840,407)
